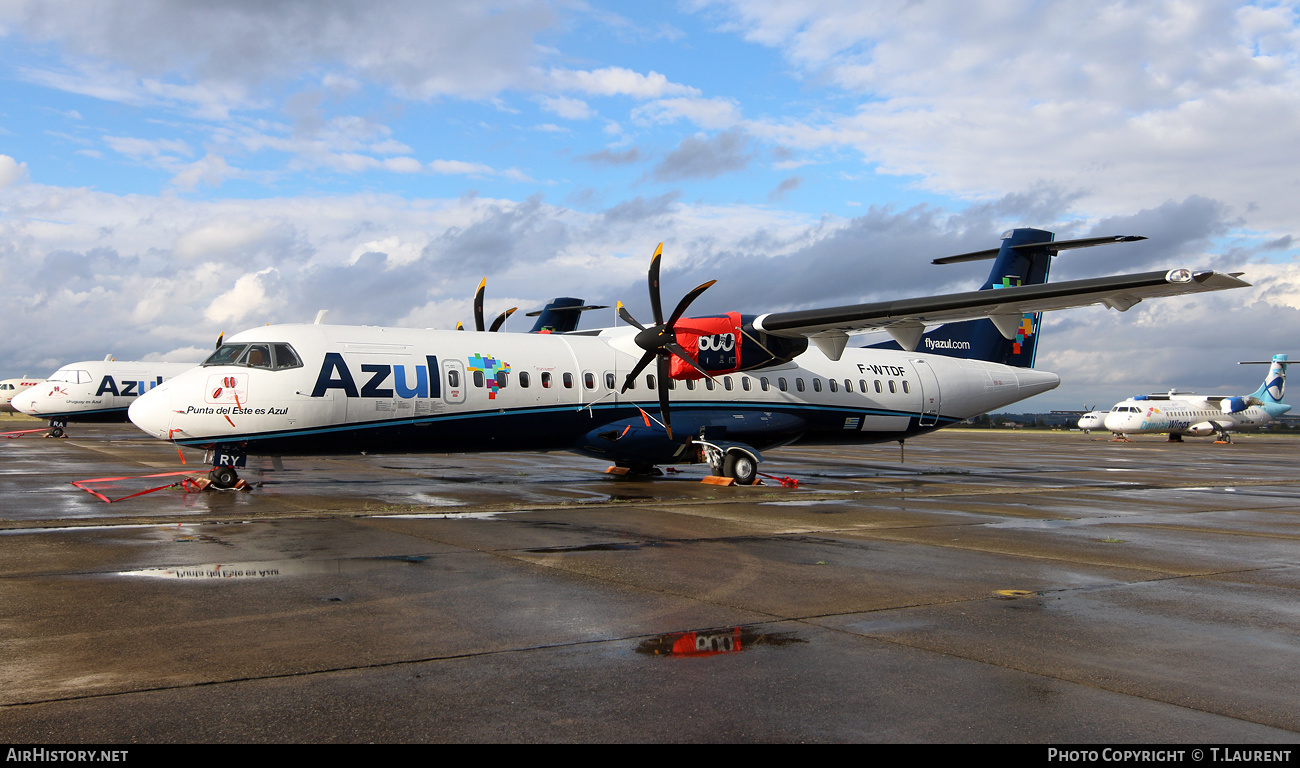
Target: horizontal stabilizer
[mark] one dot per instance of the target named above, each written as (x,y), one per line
(1052,248)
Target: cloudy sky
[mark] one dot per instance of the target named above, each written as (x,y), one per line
(170,170)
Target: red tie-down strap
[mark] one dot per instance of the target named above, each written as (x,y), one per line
(21,432)
(786,482)
(189,483)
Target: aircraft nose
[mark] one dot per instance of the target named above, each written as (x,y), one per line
(1115,422)
(25,402)
(151,412)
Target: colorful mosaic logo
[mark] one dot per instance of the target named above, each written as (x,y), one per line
(490,366)
(1025,330)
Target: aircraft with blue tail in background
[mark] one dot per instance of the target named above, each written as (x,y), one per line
(1185,413)
(725,387)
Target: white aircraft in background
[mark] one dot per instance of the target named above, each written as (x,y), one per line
(92,390)
(1188,414)
(11,387)
(1092,420)
(726,386)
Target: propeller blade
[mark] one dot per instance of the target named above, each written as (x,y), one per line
(478,305)
(640,366)
(655,305)
(627,317)
(501,319)
(220,336)
(664,411)
(460,326)
(686,302)
(681,352)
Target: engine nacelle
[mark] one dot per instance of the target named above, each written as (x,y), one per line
(729,343)
(1234,404)
(1201,429)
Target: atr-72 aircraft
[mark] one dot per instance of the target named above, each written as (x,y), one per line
(725,387)
(92,390)
(1188,414)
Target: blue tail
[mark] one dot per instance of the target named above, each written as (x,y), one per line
(1025,258)
(1274,387)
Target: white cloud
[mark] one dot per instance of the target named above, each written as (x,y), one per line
(569,109)
(617,81)
(11,171)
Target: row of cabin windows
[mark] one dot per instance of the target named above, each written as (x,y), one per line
(545,380)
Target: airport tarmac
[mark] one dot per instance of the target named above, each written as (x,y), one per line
(982,586)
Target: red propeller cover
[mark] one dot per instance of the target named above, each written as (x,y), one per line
(714,342)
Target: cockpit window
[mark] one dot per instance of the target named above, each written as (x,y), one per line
(285,357)
(257,356)
(226,354)
(71,376)
(278,356)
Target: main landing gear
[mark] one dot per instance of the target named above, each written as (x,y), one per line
(58,428)
(734,460)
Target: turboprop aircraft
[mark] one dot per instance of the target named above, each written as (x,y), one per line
(726,386)
(93,390)
(11,387)
(1188,414)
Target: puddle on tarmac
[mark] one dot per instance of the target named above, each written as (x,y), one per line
(274,568)
(595,548)
(711,642)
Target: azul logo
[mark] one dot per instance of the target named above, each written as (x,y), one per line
(334,374)
(489,367)
(127,388)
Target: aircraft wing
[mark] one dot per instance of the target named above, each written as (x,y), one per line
(906,319)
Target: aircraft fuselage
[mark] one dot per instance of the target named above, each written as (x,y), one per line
(373,389)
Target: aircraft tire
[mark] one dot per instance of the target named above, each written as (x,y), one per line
(741,467)
(223,477)
(56,432)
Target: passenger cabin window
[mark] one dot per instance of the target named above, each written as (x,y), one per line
(782,385)
(798,384)
(763,383)
(568,380)
(878,389)
(835,387)
(524,379)
(503,379)
(817,385)
(862,384)
(848,385)
(609,381)
(650,381)
(906,387)
(589,380)
(708,384)
(453,378)
(478,379)
(546,379)
(690,384)
(892,389)
(744,383)
(726,383)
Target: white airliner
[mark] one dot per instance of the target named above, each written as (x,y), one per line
(93,390)
(11,387)
(336,389)
(1188,414)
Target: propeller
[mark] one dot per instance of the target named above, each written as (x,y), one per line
(660,340)
(478,312)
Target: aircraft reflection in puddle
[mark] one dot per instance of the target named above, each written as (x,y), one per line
(273,568)
(711,642)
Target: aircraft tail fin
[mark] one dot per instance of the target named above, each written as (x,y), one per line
(560,315)
(1274,386)
(1023,259)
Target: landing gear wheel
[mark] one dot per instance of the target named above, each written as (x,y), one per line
(740,467)
(55,432)
(223,477)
